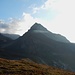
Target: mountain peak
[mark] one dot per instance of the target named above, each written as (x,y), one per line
(38,26)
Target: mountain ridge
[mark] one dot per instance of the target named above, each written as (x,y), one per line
(4,40)
(39,47)
(11,36)
(38,28)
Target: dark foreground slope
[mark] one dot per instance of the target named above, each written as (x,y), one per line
(28,67)
(38,45)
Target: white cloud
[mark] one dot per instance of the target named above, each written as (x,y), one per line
(8,27)
(66,20)
(46,6)
(20,26)
(27,21)
(64,23)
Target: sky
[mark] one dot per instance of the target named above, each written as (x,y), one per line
(58,16)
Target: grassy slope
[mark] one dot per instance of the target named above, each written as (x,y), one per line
(28,67)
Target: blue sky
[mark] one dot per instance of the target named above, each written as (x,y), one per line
(58,16)
(15,8)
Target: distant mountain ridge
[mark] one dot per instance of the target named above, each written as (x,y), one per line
(4,40)
(12,36)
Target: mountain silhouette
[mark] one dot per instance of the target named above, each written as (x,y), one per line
(42,46)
